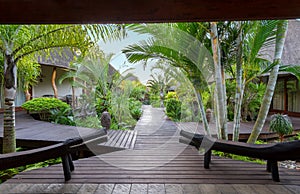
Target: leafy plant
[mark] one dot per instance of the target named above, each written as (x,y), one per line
(155,101)
(281,124)
(173,109)
(135,108)
(238,157)
(89,122)
(44,104)
(62,116)
(8,173)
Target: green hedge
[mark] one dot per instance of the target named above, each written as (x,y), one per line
(44,104)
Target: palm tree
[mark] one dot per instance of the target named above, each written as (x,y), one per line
(20,42)
(221,110)
(252,38)
(174,50)
(264,109)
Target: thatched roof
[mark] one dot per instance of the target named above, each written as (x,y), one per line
(291,50)
(57,59)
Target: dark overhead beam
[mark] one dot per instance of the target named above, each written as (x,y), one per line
(134,11)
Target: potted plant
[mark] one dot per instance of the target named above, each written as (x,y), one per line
(281,124)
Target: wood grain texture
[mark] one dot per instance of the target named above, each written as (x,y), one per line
(115,11)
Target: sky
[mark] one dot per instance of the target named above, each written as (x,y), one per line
(119,61)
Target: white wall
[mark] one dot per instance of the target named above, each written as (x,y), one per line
(44,87)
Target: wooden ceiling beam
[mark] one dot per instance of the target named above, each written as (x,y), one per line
(139,11)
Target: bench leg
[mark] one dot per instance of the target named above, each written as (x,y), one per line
(71,163)
(274,170)
(207,159)
(268,165)
(66,167)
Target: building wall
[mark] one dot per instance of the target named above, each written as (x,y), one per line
(44,87)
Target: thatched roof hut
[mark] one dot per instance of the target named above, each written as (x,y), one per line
(291,50)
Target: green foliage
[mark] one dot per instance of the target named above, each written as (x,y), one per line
(135,108)
(253,96)
(238,157)
(171,95)
(138,92)
(44,104)
(62,116)
(281,124)
(155,100)
(89,122)
(173,109)
(8,173)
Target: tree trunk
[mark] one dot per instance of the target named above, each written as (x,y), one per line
(53,82)
(10,80)
(266,102)
(202,112)
(27,95)
(239,88)
(220,84)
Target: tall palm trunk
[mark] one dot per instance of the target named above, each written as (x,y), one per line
(220,84)
(239,88)
(202,112)
(264,109)
(10,80)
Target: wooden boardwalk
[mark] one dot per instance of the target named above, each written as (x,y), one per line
(245,129)
(157,164)
(32,133)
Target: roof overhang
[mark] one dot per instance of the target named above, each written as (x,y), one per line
(139,11)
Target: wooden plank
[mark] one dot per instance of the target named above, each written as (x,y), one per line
(121,139)
(125,139)
(132,145)
(111,136)
(130,138)
(114,141)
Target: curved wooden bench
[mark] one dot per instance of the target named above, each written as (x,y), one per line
(271,152)
(62,150)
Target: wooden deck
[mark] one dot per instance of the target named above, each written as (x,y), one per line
(157,164)
(245,129)
(32,133)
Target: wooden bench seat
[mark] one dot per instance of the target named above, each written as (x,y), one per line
(271,152)
(63,150)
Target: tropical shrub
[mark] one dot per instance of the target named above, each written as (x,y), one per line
(62,116)
(138,92)
(155,101)
(40,107)
(89,122)
(135,108)
(173,109)
(44,104)
(281,124)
